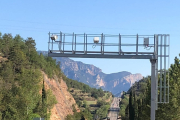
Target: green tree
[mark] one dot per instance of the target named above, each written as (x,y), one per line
(131,109)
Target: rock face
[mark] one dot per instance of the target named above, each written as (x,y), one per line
(64,99)
(123,82)
(94,77)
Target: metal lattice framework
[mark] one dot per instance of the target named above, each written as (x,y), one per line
(121,47)
(162,74)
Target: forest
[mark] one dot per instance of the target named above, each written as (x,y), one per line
(135,104)
(20,79)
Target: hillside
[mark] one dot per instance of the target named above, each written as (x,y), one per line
(68,96)
(22,94)
(33,86)
(94,77)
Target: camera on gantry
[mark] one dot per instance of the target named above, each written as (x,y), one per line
(54,37)
(96,40)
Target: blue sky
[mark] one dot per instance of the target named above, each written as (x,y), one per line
(36,18)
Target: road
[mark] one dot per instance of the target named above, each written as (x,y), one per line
(114,109)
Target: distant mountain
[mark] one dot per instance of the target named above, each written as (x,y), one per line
(94,77)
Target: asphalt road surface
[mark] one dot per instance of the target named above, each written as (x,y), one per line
(114,109)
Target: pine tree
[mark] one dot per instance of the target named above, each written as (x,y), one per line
(131,109)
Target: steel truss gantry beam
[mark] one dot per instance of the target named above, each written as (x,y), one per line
(79,46)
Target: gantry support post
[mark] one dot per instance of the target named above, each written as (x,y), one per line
(153,88)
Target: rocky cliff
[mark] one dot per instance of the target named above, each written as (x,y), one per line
(64,99)
(122,83)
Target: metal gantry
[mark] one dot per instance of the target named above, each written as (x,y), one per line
(155,47)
